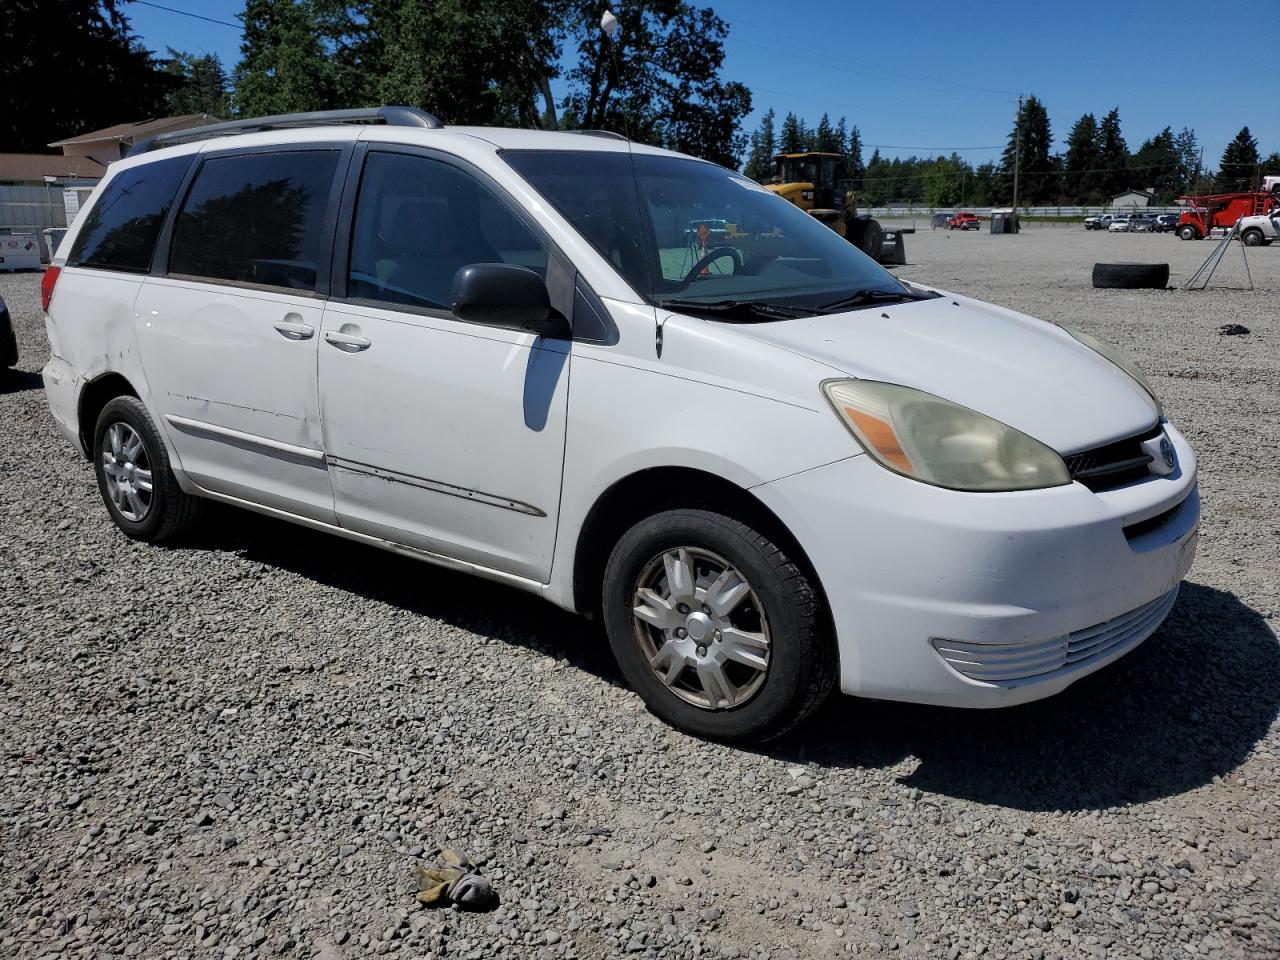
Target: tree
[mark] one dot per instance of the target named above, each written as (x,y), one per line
(825,139)
(764,146)
(283,67)
(75,66)
(1113,156)
(1157,165)
(658,78)
(794,136)
(1271,165)
(877,182)
(853,155)
(942,179)
(1239,165)
(1188,149)
(1030,141)
(1081,162)
(201,84)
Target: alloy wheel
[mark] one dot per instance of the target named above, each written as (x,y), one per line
(126,468)
(701,628)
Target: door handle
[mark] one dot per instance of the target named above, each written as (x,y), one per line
(295,331)
(347,341)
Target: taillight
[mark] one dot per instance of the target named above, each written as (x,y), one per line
(46,286)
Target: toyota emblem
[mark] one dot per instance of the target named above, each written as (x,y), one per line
(1166,451)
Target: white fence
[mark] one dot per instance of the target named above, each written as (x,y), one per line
(898,211)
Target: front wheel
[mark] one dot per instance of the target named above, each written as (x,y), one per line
(717,628)
(1189,233)
(132,466)
(1252,237)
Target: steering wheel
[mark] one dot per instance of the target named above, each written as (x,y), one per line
(710,257)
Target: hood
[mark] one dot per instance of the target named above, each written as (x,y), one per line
(1021,371)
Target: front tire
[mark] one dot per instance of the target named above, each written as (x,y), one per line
(1189,232)
(716,627)
(1252,237)
(134,477)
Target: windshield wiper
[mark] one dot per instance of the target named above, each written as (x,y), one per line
(864,298)
(745,310)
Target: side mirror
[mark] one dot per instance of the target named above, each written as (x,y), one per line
(504,295)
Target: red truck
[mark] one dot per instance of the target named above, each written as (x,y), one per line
(964,221)
(1205,212)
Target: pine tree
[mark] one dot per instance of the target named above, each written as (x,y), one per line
(1080,165)
(1113,156)
(824,138)
(1030,141)
(283,68)
(201,84)
(794,138)
(853,157)
(1188,149)
(1239,165)
(1157,165)
(764,147)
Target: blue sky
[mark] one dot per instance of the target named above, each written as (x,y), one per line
(929,77)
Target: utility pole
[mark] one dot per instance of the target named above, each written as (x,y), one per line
(1017,154)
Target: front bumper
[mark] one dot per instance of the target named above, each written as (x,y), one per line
(904,564)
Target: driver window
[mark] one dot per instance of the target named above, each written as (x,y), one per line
(418,220)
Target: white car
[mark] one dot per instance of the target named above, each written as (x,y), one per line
(767,465)
(1118,225)
(1261,230)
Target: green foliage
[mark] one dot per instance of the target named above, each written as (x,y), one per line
(73,66)
(201,85)
(1158,166)
(658,79)
(795,138)
(283,67)
(1030,141)
(764,146)
(1080,174)
(1113,156)
(1238,169)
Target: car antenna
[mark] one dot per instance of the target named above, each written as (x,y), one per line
(610,25)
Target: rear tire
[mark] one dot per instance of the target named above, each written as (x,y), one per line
(134,477)
(776,619)
(1252,237)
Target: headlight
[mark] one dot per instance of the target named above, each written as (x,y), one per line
(1120,360)
(936,441)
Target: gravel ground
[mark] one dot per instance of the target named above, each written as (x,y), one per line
(238,746)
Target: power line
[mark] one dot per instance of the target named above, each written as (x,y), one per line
(187,13)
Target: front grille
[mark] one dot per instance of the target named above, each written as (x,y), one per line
(1012,662)
(1113,464)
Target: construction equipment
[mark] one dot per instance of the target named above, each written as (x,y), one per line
(814,182)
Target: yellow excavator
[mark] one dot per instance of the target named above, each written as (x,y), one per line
(812,181)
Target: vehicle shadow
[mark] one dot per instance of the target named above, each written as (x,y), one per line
(461,600)
(1188,705)
(18,381)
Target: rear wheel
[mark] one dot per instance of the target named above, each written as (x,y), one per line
(132,466)
(1188,232)
(714,625)
(1252,237)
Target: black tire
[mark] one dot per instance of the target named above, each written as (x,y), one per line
(872,240)
(802,662)
(1131,276)
(1188,232)
(8,341)
(170,511)
(1252,237)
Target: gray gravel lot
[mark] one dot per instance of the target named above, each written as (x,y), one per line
(238,746)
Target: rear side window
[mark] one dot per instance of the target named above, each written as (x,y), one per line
(120,230)
(256,218)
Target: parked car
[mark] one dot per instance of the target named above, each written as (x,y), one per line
(1142,224)
(1099,223)
(1260,231)
(775,470)
(8,338)
(1166,222)
(1118,225)
(964,221)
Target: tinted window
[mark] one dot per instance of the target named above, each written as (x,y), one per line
(256,218)
(120,230)
(418,221)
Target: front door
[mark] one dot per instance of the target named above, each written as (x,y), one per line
(441,434)
(229,334)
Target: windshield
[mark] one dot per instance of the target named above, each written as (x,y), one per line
(682,228)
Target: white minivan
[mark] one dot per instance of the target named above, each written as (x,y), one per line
(634,382)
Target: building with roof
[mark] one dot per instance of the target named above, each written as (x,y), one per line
(112,143)
(1131,199)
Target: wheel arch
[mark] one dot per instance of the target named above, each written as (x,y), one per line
(95,395)
(646,491)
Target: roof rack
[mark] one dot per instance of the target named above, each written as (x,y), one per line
(392,116)
(609,134)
